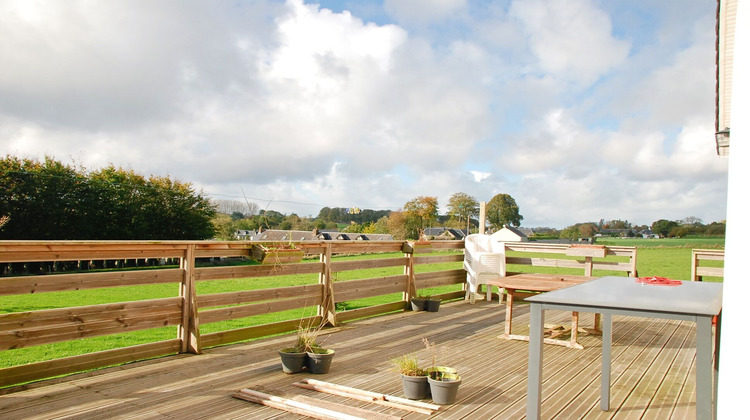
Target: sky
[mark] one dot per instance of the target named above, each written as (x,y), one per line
(581,110)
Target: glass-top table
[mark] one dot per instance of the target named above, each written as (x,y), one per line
(698,302)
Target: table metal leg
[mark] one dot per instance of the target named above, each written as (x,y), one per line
(717,341)
(536,340)
(703,368)
(606,359)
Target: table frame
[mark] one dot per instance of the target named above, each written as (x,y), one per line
(706,374)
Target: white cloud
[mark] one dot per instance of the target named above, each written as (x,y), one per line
(572,40)
(423,11)
(480,176)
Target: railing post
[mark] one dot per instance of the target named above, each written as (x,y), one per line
(189,330)
(589,267)
(411,281)
(327,307)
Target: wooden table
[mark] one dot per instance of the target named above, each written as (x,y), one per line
(540,283)
(698,302)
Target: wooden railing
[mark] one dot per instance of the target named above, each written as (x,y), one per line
(697,271)
(611,258)
(188,310)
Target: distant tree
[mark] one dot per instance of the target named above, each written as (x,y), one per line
(502,210)
(397,225)
(380,226)
(354,228)
(462,206)
(232,206)
(570,232)
(692,221)
(237,215)
(616,224)
(716,229)
(421,210)
(271,219)
(663,227)
(585,230)
(224,227)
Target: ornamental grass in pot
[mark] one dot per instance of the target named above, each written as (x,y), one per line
(444,381)
(318,358)
(413,377)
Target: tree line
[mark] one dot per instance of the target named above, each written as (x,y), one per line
(54,201)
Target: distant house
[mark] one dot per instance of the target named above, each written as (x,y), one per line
(648,234)
(509,234)
(275,235)
(283,235)
(615,232)
(443,233)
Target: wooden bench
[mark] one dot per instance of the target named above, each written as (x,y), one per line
(516,285)
(697,271)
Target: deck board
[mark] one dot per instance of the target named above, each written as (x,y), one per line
(653,372)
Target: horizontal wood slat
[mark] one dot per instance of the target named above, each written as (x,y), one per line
(711,271)
(357,289)
(82,281)
(441,278)
(337,266)
(249,271)
(545,262)
(24,329)
(250,296)
(247,333)
(243,311)
(384,308)
(434,259)
(46,369)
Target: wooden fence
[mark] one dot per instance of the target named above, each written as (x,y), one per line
(188,310)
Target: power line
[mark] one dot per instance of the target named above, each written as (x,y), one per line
(123,185)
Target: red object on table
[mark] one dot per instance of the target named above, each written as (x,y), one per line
(658,281)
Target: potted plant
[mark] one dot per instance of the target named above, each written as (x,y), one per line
(413,378)
(318,358)
(443,380)
(419,303)
(276,253)
(432,304)
(306,353)
(293,359)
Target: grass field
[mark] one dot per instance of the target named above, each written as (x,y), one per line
(656,257)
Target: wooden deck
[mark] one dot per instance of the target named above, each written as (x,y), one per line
(652,372)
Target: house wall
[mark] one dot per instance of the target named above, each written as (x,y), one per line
(506,235)
(734,368)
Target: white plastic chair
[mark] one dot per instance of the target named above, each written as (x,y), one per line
(484,258)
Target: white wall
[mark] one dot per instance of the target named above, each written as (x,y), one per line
(734,369)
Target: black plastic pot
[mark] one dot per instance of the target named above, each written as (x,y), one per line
(418,304)
(292,361)
(320,363)
(432,305)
